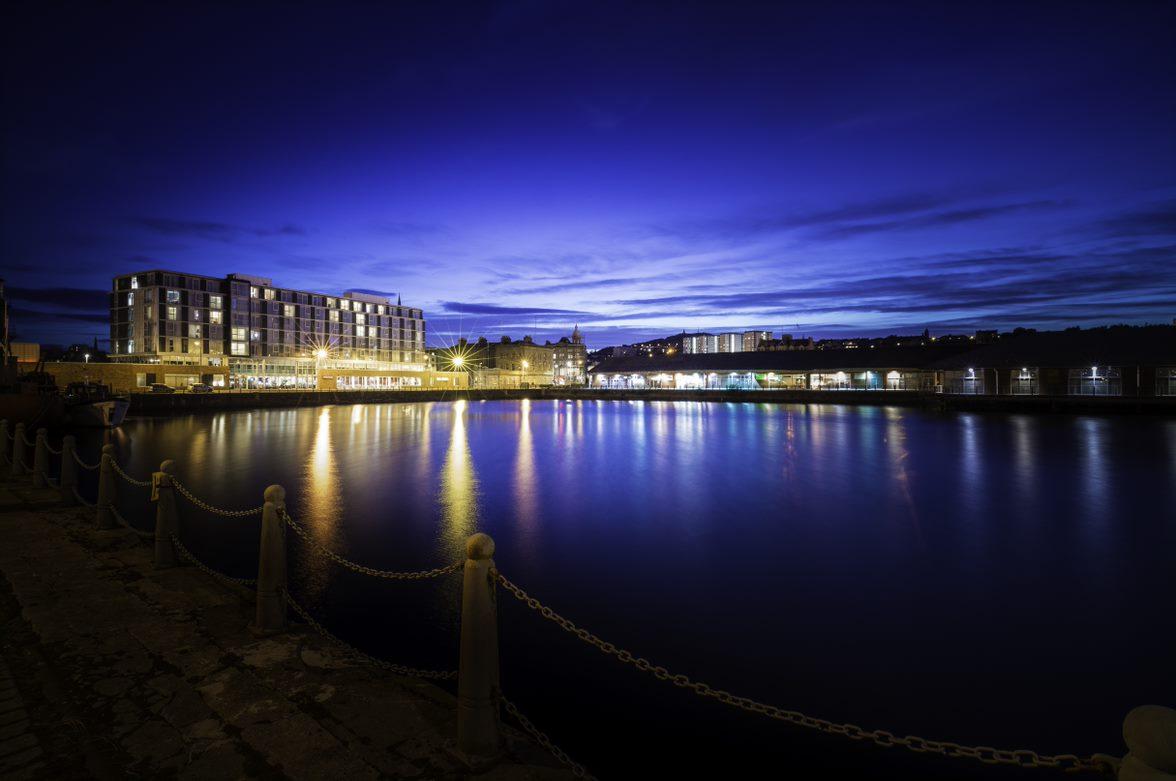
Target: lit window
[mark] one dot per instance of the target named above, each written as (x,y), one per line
(288,309)
(173,313)
(269,294)
(330,302)
(130,345)
(215,317)
(334,316)
(255,336)
(173,296)
(195,314)
(215,302)
(194,331)
(239,334)
(253,292)
(361,319)
(134,286)
(240,348)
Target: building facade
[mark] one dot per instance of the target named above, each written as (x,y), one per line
(751,340)
(265,335)
(570,359)
(512,364)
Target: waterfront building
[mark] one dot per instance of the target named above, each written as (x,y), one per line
(185,328)
(751,340)
(1117,361)
(512,364)
(570,359)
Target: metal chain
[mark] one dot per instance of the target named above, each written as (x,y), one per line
(118,517)
(119,470)
(210,508)
(50,448)
(399,669)
(83,464)
(81,498)
(200,565)
(986,754)
(578,770)
(351,565)
(27,441)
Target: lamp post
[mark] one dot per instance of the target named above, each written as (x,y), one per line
(319,356)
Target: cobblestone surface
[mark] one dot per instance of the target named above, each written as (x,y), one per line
(112,669)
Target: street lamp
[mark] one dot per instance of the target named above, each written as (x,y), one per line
(458,361)
(87,357)
(526,365)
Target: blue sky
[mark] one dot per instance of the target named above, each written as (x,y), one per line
(639,169)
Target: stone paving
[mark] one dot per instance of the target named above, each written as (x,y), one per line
(112,669)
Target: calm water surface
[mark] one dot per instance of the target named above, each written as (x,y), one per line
(990,579)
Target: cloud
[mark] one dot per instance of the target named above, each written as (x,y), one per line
(1159,220)
(384,293)
(63,297)
(461,308)
(209,230)
(23,316)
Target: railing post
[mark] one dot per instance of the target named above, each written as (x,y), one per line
(3,440)
(104,517)
(167,517)
(69,470)
(18,450)
(477,681)
(271,565)
(41,460)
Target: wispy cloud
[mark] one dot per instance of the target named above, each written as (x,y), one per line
(209,230)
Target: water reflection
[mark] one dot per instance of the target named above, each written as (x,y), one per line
(322,495)
(525,480)
(459,487)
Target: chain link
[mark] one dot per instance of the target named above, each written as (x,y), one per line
(210,508)
(27,441)
(986,754)
(399,669)
(119,471)
(50,448)
(83,464)
(578,770)
(351,565)
(118,517)
(81,498)
(200,565)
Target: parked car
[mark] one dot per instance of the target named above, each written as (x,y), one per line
(159,387)
(199,387)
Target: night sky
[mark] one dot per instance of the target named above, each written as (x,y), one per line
(638,169)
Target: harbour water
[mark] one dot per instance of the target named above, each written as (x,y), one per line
(988,579)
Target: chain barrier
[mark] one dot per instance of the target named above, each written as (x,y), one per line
(82,499)
(203,505)
(50,448)
(985,754)
(399,669)
(351,565)
(83,464)
(200,565)
(27,441)
(118,517)
(119,471)
(578,770)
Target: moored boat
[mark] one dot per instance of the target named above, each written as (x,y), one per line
(92,404)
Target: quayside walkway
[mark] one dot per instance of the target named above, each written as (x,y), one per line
(116,660)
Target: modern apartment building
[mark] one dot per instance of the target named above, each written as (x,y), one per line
(266,336)
(752,339)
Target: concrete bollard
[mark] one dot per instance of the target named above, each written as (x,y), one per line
(69,470)
(1150,734)
(167,517)
(18,451)
(104,518)
(41,460)
(271,565)
(477,679)
(3,440)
